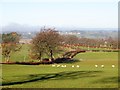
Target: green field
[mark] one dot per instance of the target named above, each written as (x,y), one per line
(47,76)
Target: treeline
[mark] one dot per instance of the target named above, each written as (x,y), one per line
(48,42)
(92,43)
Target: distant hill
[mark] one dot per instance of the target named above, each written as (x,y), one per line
(30,31)
(97,33)
(19,28)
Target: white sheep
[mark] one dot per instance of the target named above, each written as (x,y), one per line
(102,66)
(113,66)
(96,66)
(78,66)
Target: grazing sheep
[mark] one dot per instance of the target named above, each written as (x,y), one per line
(77,66)
(96,65)
(73,66)
(102,66)
(113,66)
(53,65)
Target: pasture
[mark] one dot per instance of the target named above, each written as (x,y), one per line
(49,76)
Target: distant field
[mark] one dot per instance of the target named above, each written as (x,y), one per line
(22,55)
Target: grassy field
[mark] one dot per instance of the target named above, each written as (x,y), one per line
(48,76)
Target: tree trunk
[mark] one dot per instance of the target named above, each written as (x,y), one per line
(51,55)
(7,59)
(40,55)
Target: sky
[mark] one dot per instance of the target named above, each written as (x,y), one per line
(60,13)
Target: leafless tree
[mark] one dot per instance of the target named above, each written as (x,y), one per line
(70,39)
(46,42)
(10,43)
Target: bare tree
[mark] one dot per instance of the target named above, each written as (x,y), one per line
(70,39)
(46,42)
(10,43)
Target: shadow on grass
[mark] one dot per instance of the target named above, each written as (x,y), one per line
(66,60)
(109,80)
(54,76)
(72,61)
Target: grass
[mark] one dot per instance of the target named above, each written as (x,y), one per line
(21,55)
(98,56)
(90,48)
(46,76)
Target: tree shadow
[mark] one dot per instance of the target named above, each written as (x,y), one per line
(66,60)
(108,80)
(54,76)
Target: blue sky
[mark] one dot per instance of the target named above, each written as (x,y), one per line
(71,13)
